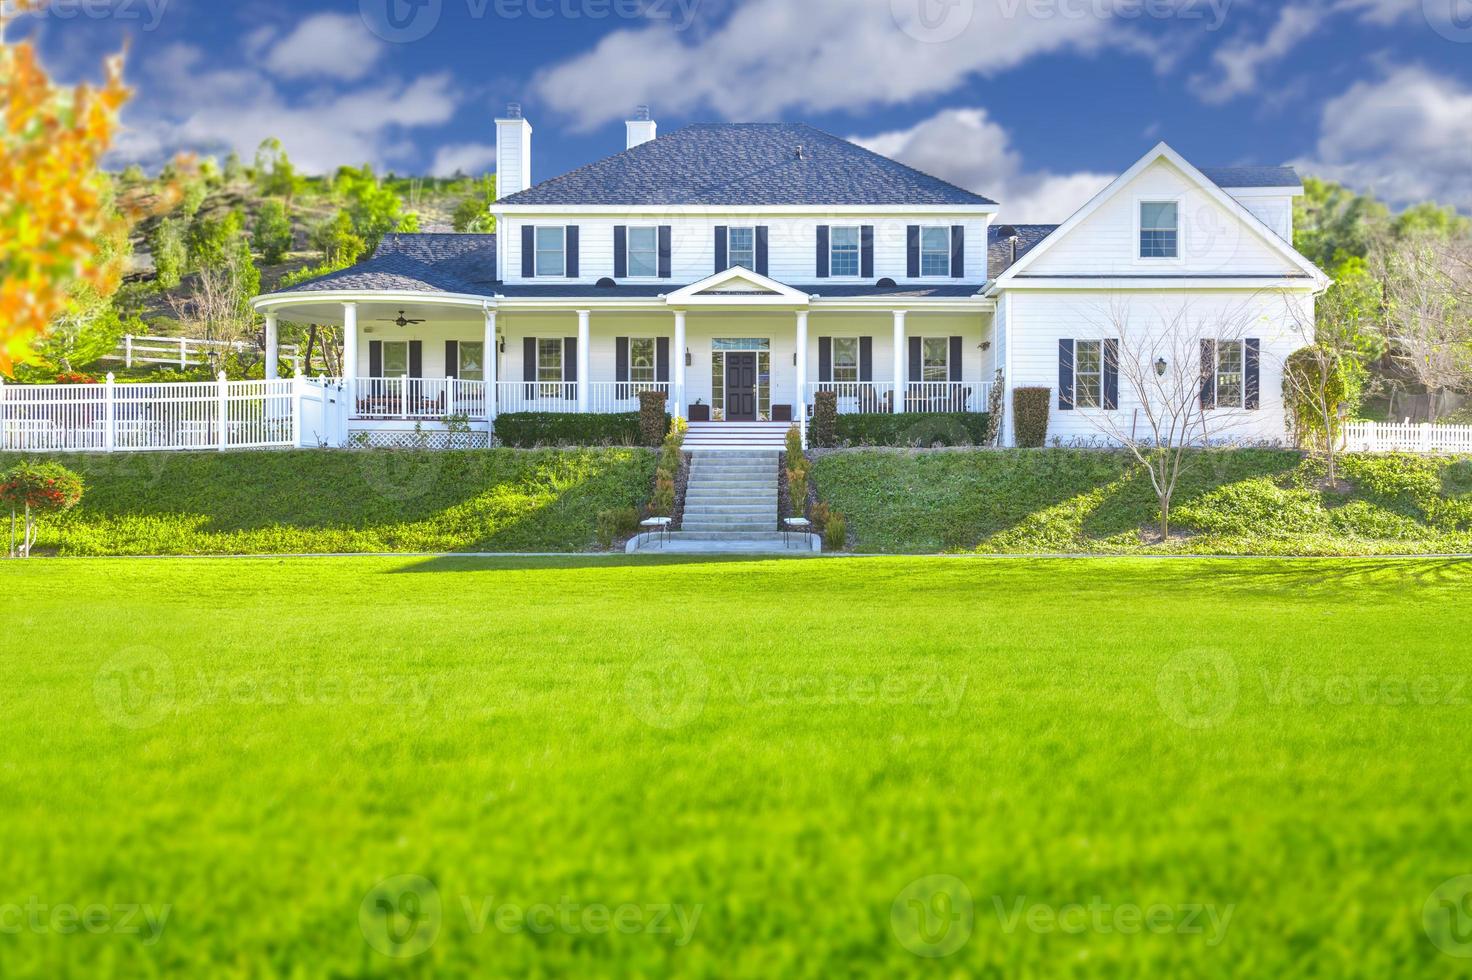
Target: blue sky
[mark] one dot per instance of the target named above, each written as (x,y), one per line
(1032,102)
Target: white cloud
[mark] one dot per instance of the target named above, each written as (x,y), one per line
(322,46)
(1382,11)
(1239,63)
(186,105)
(817,55)
(967,148)
(473,159)
(1404,137)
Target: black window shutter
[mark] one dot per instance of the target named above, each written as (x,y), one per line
(375,359)
(452,359)
(825,359)
(761,250)
(1065,375)
(569,366)
(416,358)
(917,360)
(621,365)
(1208,374)
(665,248)
(866,251)
(620,251)
(1252,383)
(529,364)
(1111,374)
(572,251)
(866,358)
(822,258)
(662,360)
(912,251)
(958,251)
(528,252)
(955,358)
(722,263)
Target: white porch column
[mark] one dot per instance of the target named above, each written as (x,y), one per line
(273,347)
(800,407)
(350,340)
(584,334)
(678,355)
(491,364)
(900,349)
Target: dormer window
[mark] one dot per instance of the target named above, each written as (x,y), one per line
(1159,229)
(742,248)
(551,251)
(843,257)
(643,252)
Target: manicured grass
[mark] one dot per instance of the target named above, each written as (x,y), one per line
(1070,501)
(326,502)
(786,745)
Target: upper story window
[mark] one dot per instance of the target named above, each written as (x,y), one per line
(935,251)
(1159,229)
(641,360)
(551,251)
(936,359)
(644,252)
(846,360)
(742,247)
(843,251)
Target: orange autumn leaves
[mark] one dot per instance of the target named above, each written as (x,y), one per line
(52,194)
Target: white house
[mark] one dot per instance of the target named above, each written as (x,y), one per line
(742,268)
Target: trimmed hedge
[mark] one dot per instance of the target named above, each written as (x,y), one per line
(531,430)
(1030,416)
(911,429)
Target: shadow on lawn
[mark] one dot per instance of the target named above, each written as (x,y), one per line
(1354,579)
(476,563)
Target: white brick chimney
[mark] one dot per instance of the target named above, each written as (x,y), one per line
(513,152)
(641,128)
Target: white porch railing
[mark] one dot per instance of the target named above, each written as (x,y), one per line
(188,415)
(421,399)
(928,396)
(555,396)
(1406,437)
(622,396)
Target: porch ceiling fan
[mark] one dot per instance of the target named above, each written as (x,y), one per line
(402,320)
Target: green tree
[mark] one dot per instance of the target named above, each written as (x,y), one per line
(276,176)
(1330,218)
(234,169)
(211,239)
(170,255)
(473,214)
(374,208)
(37,488)
(340,245)
(272,233)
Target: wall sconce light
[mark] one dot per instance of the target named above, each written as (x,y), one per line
(1160,367)
(501,345)
(688,359)
(794,358)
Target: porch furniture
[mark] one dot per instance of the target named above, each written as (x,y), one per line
(781,413)
(657,525)
(795,525)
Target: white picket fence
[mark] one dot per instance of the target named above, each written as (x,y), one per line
(111,417)
(1406,437)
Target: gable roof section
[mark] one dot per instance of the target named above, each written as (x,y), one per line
(746,164)
(463,264)
(1238,177)
(738,285)
(1163,151)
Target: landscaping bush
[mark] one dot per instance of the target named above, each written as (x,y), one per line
(911,429)
(835,533)
(823,430)
(654,422)
(797,474)
(532,430)
(32,489)
(1030,416)
(667,471)
(616,525)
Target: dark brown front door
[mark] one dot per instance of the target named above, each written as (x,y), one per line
(740,386)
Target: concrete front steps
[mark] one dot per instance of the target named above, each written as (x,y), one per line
(736,436)
(730,507)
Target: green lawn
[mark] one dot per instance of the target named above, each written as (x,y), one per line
(600,767)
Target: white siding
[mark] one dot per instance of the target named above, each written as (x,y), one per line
(792,245)
(1275,211)
(1213,239)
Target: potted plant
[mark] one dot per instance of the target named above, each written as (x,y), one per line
(699,412)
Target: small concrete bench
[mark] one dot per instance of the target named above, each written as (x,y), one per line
(657,525)
(795,525)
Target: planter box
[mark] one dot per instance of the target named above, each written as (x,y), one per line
(781,413)
(699,413)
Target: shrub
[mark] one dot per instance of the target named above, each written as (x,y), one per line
(37,488)
(835,533)
(662,504)
(1030,416)
(1318,380)
(654,422)
(820,516)
(528,430)
(911,429)
(75,378)
(271,235)
(794,445)
(823,431)
(615,525)
(797,490)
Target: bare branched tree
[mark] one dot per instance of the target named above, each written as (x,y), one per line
(1428,310)
(1322,381)
(217,307)
(1171,382)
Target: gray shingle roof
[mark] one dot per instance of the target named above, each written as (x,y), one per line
(1225,177)
(999,249)
(419,263)
(746,164)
